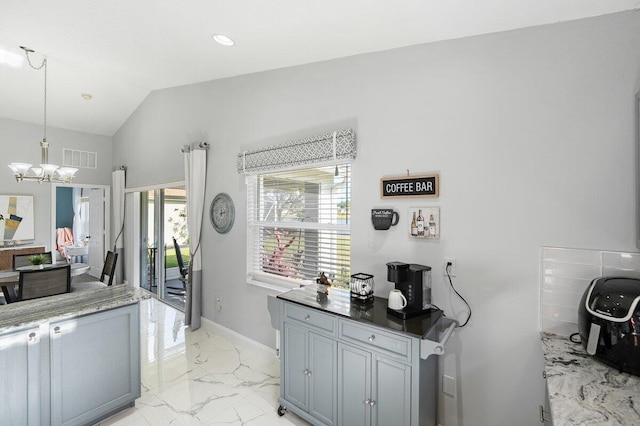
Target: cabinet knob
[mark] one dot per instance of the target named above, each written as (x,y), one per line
(307,318)
(372,338)
(367,401)
(56,330)
(372,403)
(32,337)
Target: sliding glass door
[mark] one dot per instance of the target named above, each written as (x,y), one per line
(162,219)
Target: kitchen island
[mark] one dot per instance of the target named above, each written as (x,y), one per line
(344,362)
(70,359)
(583,390)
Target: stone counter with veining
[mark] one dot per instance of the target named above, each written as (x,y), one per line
(584,391)
(28,313)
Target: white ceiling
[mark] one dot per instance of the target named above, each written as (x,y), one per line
(120,50)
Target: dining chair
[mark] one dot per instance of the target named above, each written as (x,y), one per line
(108,271)
(184,271)
(37,283)
(20,260)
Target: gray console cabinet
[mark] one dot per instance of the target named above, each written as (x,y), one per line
(337,371)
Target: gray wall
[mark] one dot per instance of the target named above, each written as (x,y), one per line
(20,142)
(531,131)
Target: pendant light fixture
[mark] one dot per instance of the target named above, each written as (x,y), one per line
(46,172)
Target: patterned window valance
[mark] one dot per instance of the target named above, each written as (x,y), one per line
(318,150)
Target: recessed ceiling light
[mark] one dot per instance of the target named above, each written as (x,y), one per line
(86,96)
(12,59)
(223,40)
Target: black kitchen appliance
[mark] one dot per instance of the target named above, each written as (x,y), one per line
(609,322)
(414,281)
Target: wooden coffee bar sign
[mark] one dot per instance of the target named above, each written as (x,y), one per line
(425,186)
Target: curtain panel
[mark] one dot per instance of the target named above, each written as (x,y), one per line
(195,168)
(329,148)
(117,187)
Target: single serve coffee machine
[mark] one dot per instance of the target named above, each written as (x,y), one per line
(414,281)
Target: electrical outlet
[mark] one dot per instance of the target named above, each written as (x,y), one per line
(449,385)
(452,267)
(218,302)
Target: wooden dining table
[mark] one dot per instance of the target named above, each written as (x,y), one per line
(9,278)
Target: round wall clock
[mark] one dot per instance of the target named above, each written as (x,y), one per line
(222,213)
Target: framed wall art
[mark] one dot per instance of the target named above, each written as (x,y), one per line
(17,218)
(424,223)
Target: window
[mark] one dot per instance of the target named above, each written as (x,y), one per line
(299,224)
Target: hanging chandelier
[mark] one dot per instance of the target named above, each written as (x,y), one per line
(46,172)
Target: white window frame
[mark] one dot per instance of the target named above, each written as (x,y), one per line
(264,279)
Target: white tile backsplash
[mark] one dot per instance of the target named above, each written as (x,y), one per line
(560,299)
(585,257)
(568,285)
(621,260)
(564,276)
(570,270)
(610,271)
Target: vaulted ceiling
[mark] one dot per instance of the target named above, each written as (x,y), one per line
(120,50)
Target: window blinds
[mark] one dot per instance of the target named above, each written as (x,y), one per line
(299,225)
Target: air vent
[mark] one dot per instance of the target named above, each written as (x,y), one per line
(79,159)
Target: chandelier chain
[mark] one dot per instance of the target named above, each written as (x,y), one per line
(43,64)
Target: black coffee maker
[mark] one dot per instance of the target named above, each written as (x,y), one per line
(414,281)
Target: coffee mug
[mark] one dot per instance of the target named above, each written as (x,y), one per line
(397,300)
(383,219)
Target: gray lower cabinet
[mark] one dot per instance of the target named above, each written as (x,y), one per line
(309,372)
(372,389)
(20,381)
(72,372)
(95,365)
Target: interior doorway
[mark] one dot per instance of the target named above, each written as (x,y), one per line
(163,218)
(80,219)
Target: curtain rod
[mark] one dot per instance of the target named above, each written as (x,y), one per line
(195,145)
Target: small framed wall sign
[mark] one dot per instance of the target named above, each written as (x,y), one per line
(424,222)
(424,186)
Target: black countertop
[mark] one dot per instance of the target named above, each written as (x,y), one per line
(339,302)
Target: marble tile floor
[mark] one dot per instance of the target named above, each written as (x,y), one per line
(205,377)
(172,299)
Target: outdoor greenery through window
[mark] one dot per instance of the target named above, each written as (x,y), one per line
(300,225)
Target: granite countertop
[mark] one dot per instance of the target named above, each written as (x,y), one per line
(30,313)
(583,390)
(338,301)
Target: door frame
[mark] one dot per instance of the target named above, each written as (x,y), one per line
(132,222)
(107,212)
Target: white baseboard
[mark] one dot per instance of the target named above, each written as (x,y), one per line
(237,338)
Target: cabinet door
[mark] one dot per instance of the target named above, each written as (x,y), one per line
(6,259)
(322,378)
(20,378)
(354,386)
(295,365)
(95,365)
(391,393)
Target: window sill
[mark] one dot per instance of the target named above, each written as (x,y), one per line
(272,284)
